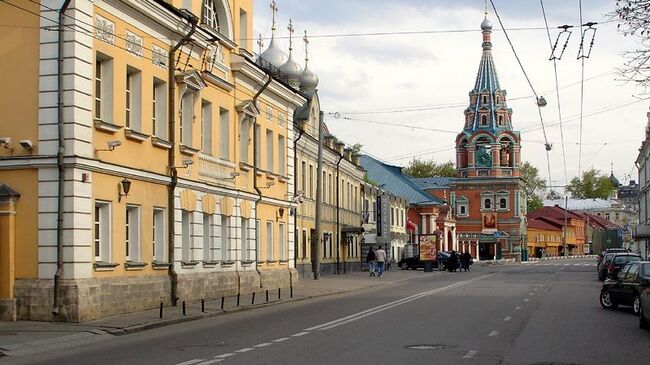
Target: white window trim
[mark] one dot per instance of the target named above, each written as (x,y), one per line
(208,237)
(206,127)
(224,239)
(159,237)
(282,238)
(159,109)
(132,233)
(104,223)
(105,113)
(269,241)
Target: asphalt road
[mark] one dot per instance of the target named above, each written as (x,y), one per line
(544,313)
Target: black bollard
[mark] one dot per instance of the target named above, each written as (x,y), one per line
(253,300)
(202,306)
(279,293)
(267,295)
(291,291)
(238,299)
(160,314)
(222,300)
(183,307)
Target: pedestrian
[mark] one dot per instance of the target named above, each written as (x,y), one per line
(370,259)
(466,259)
(380,256)
(453,261)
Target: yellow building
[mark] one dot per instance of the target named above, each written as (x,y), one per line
(341,189)
(545,237)
(153,163)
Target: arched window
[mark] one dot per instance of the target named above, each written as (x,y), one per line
(210,14)
(462,210)
(503,203)
(484,120)
(501,120)
(488,204)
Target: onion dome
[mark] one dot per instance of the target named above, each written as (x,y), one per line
(486,25)
(274,55)
(308,79)
(614,180)
(292,71)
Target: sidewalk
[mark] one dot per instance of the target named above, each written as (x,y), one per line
(25,337)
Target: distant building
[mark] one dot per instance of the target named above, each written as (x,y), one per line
(575,228)
(642,231)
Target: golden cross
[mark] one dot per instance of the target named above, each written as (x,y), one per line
(306,40)
(260,42)
(290,28)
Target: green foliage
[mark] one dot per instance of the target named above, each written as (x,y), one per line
(533,186)
(593,184)
(429,168)
(357,148)
(370,181)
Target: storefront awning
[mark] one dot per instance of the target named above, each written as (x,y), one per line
(350,229)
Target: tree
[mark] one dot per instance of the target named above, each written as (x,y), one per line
(593,184)
(533,186)
(634,20)
(429,168)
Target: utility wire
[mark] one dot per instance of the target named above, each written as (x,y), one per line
(582,91)
(557,93)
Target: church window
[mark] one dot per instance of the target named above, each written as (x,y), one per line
(462,210)
(500,120)
(487,203)
(210,14)
(503,203)
(484,120)
(484,99)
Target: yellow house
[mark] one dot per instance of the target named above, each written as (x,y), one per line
(545,237)
(151,164)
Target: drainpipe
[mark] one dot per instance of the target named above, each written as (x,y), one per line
(171,157)
(255,168)
(295,192)
(56,308)
(338,208)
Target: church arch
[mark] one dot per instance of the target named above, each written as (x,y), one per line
(216,14)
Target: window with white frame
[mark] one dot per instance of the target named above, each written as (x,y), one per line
(102,231)
(206,127)
(282,241)
(208,238)
(158,234)
(187,117)
(224,134)
(225,242)
(269,150)
(269,241)
(210,17)
(484,120)
(243,28)
(311,181)
(159,108)
(258,145)
(281,158)
(132,233)
(487,203)
(133,100)
(258,237)
(303,177)
(503,203)
(462,207)
(245,255)
(392,216)
(186,236)
(244,136)
(502,200)
(103,88)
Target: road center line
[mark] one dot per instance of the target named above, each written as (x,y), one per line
(507,319)
(517,308)
(383,307)
(470,354)
(191,362)
(493,333)
(223,356)
(245,349)
(263,344)
(526,300)
(210,362)
(281,339)
(300,334)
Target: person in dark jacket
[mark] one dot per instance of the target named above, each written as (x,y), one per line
(370,259)
(466,260)
(453,261)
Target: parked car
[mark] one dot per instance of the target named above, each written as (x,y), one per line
(644,296)
(627,286)
(415,263)
(606,251)
(613,262)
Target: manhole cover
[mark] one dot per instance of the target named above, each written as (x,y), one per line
(427,347)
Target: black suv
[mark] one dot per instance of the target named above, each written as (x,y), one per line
(606,251)
(613,262)
(415,263)
(627,286)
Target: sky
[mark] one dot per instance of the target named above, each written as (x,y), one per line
(401,93)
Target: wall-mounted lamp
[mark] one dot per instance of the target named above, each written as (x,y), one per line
(186,163)
(27,144)
(6,142)
(123,189)
(280,212)
(541,102)
(110,146)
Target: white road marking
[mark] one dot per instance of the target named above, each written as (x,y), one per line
(526,300)
(507,319)
(531,294)
(245,349)
(223,356)
(383,307)
(263,344)
(300,334)
(281,339)
(470,354)
(210,362)
(493,333)
(190,362)
(536,289)
(517,308)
